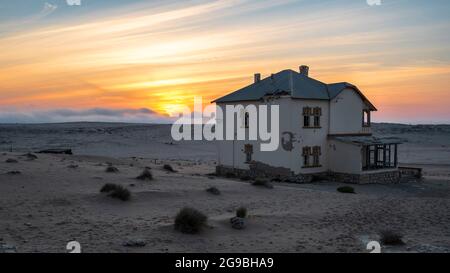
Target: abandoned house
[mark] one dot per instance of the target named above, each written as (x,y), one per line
(325,131)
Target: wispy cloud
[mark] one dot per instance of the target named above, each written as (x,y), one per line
(24,23)
(142,115)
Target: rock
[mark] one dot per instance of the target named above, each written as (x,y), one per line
(30,156)
(237,223)
(135,243)
(5,248)
(14,172)
(72,166)
(213,190)
(11,160)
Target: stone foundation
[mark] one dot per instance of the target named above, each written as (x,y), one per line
(264,173)
(383,177)
(279,174)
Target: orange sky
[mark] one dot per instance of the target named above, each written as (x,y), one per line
(160,57)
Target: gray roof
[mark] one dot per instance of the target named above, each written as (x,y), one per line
(367,140)
(289,82)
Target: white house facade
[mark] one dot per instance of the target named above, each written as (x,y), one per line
(324,133)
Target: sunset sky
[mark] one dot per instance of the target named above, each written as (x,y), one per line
(111,60)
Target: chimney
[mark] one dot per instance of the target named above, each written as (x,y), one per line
(257,77)
(304,70)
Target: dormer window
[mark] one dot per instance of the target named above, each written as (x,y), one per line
(366,118)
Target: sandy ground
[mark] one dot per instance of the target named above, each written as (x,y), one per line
(49,203)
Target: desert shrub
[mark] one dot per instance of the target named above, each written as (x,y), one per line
(346,189)
(11,160)
(169,168)
(145,175)
(189,220)
(108,187)
(30,156)
(262,183)
(390,237)
(111,169)
(213,190)
(241,212)
(121,193)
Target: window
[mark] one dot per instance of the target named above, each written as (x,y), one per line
(248,150)
(315,112)
(316,121)
(246,120)
(379,156)
(316,156)
(306,153)
(309,152)
(306,121)
(366,118)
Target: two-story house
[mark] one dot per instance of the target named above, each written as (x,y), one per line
(324,131)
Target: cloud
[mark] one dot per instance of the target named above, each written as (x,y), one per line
(47,9)
(23,23)
(140,115)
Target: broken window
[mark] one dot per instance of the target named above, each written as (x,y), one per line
(309,112)
(316,121)
(317,112)
(379,156)
(248,150)
(366,118)
(306,153)
(246,120)
(306,121)
(316,156)
(311,152)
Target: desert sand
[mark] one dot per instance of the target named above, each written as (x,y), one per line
(47,201)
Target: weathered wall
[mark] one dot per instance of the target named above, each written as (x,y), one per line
(292,138)
(344,158)
(309,136)
(346,113)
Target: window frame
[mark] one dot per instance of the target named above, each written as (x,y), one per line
(246,119)
(316,113)
(248,151)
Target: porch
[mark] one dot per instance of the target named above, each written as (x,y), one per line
(374,153)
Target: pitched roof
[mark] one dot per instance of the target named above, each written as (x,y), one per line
(292,83)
